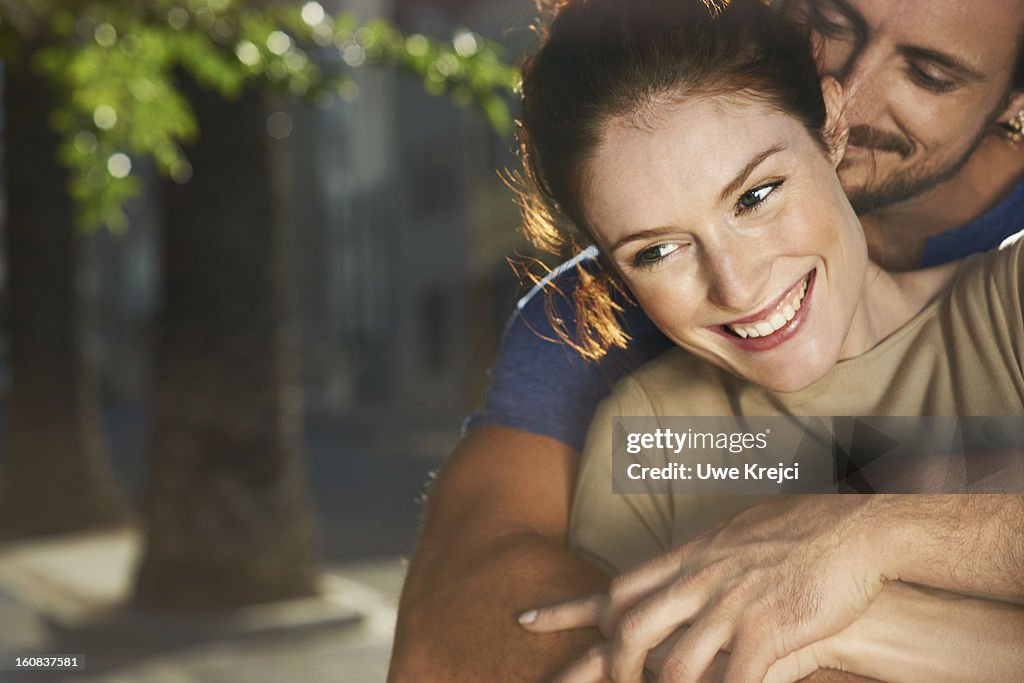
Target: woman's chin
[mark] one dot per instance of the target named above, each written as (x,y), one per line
(784,372)
(790,381)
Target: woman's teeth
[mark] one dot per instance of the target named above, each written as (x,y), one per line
(777,320)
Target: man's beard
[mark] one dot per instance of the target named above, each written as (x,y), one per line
(902,186)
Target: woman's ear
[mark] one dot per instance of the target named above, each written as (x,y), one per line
(837,130)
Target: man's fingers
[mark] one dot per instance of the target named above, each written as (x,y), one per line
(749,661)
(640,583)
(641,629)
(656,657)
(629,588)
(592,667)
(572,614)
(793,667)
(716,672)
(691,657)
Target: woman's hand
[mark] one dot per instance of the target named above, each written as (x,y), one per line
(767,583)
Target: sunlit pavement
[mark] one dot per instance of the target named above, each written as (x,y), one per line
(60,596)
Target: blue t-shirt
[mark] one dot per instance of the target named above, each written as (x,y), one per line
(540,385)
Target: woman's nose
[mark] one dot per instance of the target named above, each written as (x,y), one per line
(737,277)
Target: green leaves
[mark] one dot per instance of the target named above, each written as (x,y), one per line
(468,68)
(113,64)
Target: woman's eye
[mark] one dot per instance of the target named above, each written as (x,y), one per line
(752,198)
(652,255)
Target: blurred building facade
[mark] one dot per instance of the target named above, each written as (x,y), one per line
(400,227)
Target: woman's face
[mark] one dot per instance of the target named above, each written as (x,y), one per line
(728,224)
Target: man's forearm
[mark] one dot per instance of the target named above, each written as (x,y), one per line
(912,634)
(963,543)
(459,618)
(492,546)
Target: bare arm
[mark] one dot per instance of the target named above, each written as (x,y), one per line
(784,575)
(912,634)
(962,543)
(493,544)
(917,635)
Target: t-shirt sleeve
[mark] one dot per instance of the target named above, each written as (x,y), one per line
(1013,305)
(617,531)
(541,385)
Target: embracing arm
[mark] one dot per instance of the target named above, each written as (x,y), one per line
(493,544)
(962,543)
(912,634)
(784,575)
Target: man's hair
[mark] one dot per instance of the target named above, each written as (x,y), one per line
(604,60)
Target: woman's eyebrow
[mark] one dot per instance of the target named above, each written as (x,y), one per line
(742,176)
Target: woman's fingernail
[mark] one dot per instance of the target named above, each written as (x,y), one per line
(528,617)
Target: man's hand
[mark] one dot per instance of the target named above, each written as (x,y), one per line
(493,544)
(770,581)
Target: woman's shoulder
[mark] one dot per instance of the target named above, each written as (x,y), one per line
(1010,256)
(673,383)
(994,275)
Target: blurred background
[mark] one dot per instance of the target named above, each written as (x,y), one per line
(253,270)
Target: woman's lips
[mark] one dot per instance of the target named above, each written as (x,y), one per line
(775,324)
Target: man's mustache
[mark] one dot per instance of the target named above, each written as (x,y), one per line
(872,138)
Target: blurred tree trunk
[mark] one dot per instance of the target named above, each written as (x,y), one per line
(56,476)
(226,509)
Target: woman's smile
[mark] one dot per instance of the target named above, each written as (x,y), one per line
(775,323)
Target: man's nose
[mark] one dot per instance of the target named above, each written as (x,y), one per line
(737,276)
(864,81)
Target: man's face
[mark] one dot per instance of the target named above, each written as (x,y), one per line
(926,80)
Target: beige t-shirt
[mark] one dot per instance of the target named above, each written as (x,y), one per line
(961,355)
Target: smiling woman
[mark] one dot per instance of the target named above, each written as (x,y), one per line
(727,223)
(698,151)
(695,146)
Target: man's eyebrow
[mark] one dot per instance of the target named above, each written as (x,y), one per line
(851,13)
(742,176)
(944,59)
(957,66)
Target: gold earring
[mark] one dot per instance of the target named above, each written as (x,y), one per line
(1014,128)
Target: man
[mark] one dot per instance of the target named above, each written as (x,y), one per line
(936,91)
